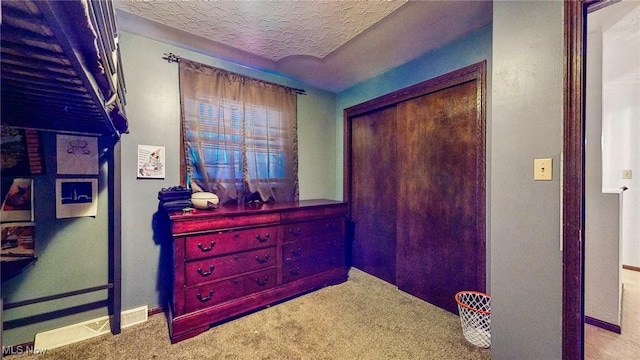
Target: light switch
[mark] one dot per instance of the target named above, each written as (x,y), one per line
(543,169)
(626,174)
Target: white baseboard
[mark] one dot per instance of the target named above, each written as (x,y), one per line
(77,332)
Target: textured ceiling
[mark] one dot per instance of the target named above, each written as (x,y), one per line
(330,45)
(271,29)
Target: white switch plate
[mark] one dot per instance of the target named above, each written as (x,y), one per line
(626,174)
(543,169)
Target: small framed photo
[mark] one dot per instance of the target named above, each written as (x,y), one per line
(76,198)
(151,162)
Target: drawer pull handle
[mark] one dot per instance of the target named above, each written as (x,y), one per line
(295,271)
(204,249)
(265,238)
(206,298)
(296,252)
(264,282)
(206,273)
(263,260)
(295,232)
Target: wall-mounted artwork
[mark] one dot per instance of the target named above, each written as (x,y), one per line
(151,162)
(76,198)
(18,203)
(18,241)
(21,151)
(77,155)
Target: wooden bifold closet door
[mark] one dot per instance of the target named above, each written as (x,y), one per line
(417,186)
(438,198)
(373,201)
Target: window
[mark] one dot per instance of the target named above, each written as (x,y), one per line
(239,135)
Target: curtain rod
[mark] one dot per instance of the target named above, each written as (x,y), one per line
(170,57)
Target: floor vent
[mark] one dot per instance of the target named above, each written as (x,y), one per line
(134,316)
(77,332)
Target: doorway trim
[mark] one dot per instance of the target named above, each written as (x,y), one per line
(573,185)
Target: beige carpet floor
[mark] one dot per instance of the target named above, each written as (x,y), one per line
(363,318)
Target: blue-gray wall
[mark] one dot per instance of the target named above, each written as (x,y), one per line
(526,261)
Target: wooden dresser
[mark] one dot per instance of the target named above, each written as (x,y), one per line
(234,260)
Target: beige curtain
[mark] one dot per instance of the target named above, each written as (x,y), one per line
(239,135)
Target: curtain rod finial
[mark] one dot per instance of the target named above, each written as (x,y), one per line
(170,57)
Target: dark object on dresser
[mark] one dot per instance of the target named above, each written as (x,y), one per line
(174,193)
(174,198)
(239,259)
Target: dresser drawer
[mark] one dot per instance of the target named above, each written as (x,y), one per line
(311,246)
(229,265)
(301,230)
(208,295)
(299,269)
(218,243)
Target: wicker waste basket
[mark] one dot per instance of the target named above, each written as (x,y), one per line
(474,309)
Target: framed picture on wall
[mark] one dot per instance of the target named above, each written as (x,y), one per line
(77,155)
(18,241)
(76,198)
(18,203)
(151,162)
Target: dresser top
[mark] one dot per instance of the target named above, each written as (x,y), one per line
(250,209)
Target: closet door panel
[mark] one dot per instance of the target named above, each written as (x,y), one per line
(374,190)
(440,218)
